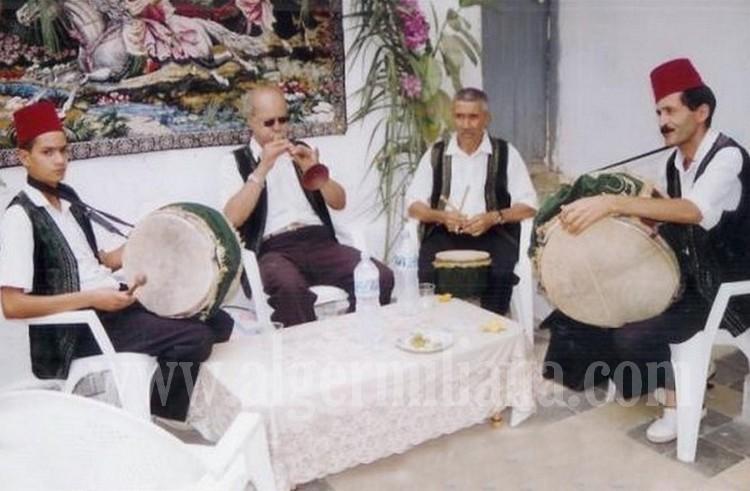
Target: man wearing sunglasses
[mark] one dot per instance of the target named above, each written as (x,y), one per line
(288,226)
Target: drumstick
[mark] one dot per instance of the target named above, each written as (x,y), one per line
(449,203)
(138,281)
(463,199)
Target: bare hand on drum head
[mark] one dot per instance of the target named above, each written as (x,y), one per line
(581,214)
(454,221)
(110,300)
(479,224)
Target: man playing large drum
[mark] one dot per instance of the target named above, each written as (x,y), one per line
(470,192)
(49,263)
(287,225)
(706,219)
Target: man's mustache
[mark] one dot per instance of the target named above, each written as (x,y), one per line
(666,130)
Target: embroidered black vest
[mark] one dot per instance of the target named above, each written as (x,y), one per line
(496,194)
(252,230)
(711,257)
(55,272)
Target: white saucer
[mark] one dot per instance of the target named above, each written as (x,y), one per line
(425,341)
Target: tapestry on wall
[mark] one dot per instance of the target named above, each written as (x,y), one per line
(142,75)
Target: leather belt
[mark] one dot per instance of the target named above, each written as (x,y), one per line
(289,228)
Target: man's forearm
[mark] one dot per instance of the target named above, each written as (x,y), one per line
(334,195)
(517,213)
(425,214)
(19,305)
(675,210)
(241,205)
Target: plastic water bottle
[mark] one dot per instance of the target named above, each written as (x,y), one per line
(406,269)
(366,285)
(367,296)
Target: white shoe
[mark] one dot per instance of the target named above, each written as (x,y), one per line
(664,429)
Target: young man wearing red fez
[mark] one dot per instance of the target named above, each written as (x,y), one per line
(705,218)
(49,263)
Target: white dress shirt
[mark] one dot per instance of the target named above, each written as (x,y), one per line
(17,246)
(718,189)
(468,175)
(287,203)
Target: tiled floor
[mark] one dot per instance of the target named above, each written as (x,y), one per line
(576,441)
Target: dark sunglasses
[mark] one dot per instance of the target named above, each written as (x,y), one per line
(268,123)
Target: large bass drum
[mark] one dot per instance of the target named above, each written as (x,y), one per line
(191,257)
(619,270)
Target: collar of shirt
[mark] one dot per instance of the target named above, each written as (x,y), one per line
(484,147)
(708,141)
(38,198)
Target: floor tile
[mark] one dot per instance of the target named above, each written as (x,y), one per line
(724,400)
(734,436)
(736,478)
(710,458)
(728,373)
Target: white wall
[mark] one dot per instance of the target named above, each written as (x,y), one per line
(607,50)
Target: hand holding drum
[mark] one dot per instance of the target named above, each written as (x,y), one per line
(138,281)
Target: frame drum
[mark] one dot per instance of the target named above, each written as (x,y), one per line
(191,257)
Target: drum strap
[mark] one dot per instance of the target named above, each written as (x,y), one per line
(98,216)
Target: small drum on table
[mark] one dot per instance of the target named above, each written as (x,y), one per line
(191,258)
(618,270)
(463,273)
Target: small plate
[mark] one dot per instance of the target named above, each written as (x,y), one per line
(427,341)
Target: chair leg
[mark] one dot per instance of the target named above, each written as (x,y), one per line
(136,371)
(690,363)
(259,461)
(745,415)
(611,392)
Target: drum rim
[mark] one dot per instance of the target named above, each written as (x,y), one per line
(484,255)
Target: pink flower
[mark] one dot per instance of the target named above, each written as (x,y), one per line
(416,30)
(411,86)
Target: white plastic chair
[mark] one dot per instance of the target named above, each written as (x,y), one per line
(690,361)
(131,372)
(522,301)
(51,440)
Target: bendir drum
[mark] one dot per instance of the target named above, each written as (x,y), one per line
(191,258)
(618,270)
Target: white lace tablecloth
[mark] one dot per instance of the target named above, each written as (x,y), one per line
(338,393)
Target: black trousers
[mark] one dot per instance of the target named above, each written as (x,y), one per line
(503,251)
(180,345)
(636,356)
(291,262)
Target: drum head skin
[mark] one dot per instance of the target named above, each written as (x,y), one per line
(614,272)
(183,256)
(462,255)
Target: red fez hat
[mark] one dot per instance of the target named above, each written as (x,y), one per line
(674,76)
(34,120)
